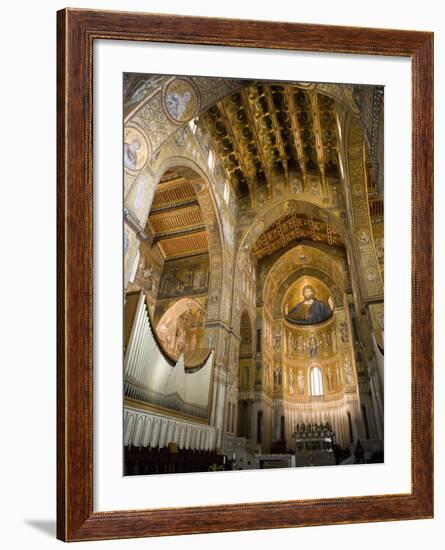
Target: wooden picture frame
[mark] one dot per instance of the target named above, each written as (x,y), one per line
(77,31)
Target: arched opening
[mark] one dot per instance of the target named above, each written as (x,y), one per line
(316,382)
(303,276)
(174,265)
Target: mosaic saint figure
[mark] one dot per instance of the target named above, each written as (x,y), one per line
(276,341)
(348,371)
(338,375)
(177,103)
(329,377)
(334,341)
(312,346)
(291,381)
(326,340)
(141,90)
(309,311)
(277,377)
(131,154)
(300,383)
(148,276)
(300,344)
(289,346)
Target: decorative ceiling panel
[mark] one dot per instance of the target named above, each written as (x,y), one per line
(296,228)
(173,192)
(180,219)
(176,224)
(269,131)
(184,245)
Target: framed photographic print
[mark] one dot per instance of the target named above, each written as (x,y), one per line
(241,206)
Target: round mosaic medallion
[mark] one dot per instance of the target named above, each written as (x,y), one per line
(357,189)
(363,236)
(289,206)
(371,274)
(181,100)
(258,227)
(135,149)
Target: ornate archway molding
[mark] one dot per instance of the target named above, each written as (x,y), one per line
(146,105)
(271,216)
(205,195)
(284,208)
(357,196)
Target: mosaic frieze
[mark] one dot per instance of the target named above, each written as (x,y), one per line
(183,277)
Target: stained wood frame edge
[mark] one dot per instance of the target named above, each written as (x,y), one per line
(76,31)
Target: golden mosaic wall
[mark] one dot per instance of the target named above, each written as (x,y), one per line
(302,228)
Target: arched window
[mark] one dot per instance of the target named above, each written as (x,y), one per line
(210,159)
(316,382)
(226,191)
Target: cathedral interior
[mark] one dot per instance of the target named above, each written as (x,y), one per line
(253,274)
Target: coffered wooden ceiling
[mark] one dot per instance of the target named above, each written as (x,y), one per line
(175,223)
(265,131)
(295,227)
